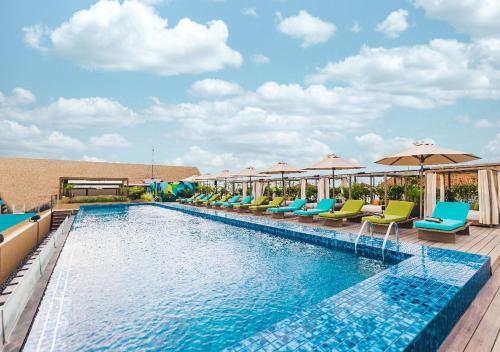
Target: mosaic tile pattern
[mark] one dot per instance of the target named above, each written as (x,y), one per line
(411,306)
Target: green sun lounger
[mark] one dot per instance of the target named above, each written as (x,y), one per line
(246,200)
(397,211)
(351,208)
(259,201)
(231,200)
(276,202)
(204,199)
(323,206)
(213,198)
(281,211)
(448,219)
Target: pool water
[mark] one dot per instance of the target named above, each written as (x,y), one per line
(149,278)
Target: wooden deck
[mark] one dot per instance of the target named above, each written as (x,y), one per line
(479,328)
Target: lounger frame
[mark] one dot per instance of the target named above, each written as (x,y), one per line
(442,235)
(405,224)
(339,222)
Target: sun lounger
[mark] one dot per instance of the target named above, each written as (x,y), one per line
(281,211)
(350,209)
(276,202)
(232,200)
(323,206)
(243,207)
(223,199)
(190,201)
(448,219)
(213,198)
(397,211)
(230,206)
(182,200)
(204,199)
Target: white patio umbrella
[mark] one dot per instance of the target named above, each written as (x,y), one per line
(282,168)
(334,162)
(426,154)
(224,175)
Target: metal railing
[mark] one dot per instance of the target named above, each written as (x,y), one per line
(386,237)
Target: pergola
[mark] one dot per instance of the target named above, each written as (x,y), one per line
(87,183)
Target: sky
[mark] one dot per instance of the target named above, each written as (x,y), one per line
(227,84)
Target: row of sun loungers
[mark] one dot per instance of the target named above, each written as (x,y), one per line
(448,219)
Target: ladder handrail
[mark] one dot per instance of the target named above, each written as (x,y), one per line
(388,233)
(370,225)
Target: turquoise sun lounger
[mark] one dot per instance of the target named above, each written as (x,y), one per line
(322,207)
(230,201)
(448,219)
(280,212)
(245,200)
(190,200)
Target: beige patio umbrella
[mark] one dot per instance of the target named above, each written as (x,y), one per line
(282,168)
(334,162)
(224,175)
(426,154)
(191,178)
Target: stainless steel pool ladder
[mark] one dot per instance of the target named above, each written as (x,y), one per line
(386,237)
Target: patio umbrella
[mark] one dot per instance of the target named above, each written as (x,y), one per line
(249,172)
(224,175)
(190,178)
(282,168)
(426,154)
(334,162)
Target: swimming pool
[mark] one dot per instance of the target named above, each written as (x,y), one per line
(150,278)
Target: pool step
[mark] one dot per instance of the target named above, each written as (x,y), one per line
(58,217)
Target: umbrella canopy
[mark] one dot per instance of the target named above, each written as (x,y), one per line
(334,162)
(426,154)
(192,178)
(282,168)
(249,171)
(224,175)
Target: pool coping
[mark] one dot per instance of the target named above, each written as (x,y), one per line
(418,300)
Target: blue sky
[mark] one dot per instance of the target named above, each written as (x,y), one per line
(226,84)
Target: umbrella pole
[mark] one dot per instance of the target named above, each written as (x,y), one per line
(421,187)
(333,183)
(284,187)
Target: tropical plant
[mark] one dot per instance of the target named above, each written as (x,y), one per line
(147,197)
(135,192)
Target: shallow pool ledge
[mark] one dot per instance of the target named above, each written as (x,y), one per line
(412,306)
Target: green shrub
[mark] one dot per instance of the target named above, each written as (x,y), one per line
(147,197)
(97,199)
(135,192)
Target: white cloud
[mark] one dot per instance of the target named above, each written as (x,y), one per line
(250,11)
(483,123)
(131,36)
(493,146)
(59,139)
(29,140)
(421,76)
(215,88)
(479,18)
(19,96)
(261,59)
(205,159)
(109,140)
(93,159)
(394,24)
(375,146)
(311,30)
(356,27)
(86,112)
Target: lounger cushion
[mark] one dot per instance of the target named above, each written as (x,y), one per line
(446,225)
(245,200)
(453,214)
(387,219)
(259,201)
(309,212)
(338,214)
(272,204)
(296,205)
